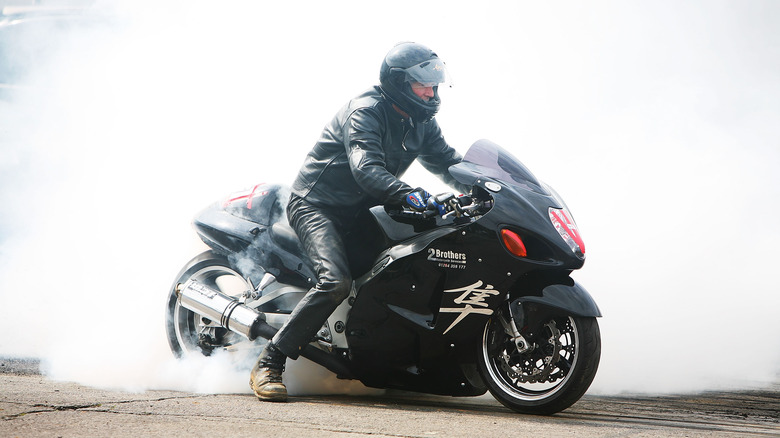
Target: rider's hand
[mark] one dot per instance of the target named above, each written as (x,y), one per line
(417,199)
(434,204)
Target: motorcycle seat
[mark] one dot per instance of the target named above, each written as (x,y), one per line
(284,236)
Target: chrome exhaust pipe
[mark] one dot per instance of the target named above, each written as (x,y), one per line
(236,317)
(223,309)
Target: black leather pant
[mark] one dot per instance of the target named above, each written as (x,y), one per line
(320,231)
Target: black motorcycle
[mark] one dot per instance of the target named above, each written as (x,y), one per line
(478,298)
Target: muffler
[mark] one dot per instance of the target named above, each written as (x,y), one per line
(225,310)
(236,317)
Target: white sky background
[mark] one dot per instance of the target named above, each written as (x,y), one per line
(656,121)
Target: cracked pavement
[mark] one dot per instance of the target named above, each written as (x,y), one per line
(34,406)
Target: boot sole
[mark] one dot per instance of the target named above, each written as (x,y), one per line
(272,397)
(267,396)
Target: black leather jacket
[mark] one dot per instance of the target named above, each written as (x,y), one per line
(363,151)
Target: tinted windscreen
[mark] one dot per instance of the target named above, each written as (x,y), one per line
(493,161)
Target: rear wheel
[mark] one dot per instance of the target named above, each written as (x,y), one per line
(190,333)
(546,374)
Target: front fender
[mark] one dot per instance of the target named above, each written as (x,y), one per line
(572,298)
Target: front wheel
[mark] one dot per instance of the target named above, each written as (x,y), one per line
(548,374)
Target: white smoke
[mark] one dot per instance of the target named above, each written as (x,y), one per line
(654,121)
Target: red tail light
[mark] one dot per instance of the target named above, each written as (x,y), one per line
(513,243)
(561,220)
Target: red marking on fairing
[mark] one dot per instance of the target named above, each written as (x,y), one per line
(248,197)
(251,195)
(254,195)
(232,200)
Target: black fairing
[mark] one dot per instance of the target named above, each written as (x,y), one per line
(404,324)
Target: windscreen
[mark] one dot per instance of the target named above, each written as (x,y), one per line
(491,160)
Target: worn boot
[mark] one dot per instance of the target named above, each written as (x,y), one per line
(266,376)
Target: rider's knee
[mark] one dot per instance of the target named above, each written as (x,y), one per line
(338,288)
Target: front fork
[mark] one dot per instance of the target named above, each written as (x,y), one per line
(515,319)
(526,324)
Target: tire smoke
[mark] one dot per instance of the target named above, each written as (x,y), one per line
(658,129)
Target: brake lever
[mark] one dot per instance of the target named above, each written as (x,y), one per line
(446,215)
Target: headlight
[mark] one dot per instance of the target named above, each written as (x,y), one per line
(562,221)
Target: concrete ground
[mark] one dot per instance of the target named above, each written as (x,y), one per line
(33,406)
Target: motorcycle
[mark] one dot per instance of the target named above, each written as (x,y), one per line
(476,299)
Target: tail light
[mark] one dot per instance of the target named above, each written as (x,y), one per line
(562,221)
(513,243)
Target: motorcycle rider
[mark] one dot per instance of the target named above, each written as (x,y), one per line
(355,165)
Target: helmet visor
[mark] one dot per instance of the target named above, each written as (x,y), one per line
(429,73)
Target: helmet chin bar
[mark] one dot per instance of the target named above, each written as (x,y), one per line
(419,109)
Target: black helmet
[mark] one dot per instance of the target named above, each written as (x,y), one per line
(407,63)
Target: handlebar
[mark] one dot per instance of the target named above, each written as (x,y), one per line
(464,208)
(453,205)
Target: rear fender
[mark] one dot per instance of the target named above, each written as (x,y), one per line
(223,231)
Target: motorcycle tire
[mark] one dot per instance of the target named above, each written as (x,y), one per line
(548,378)
(190,333)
